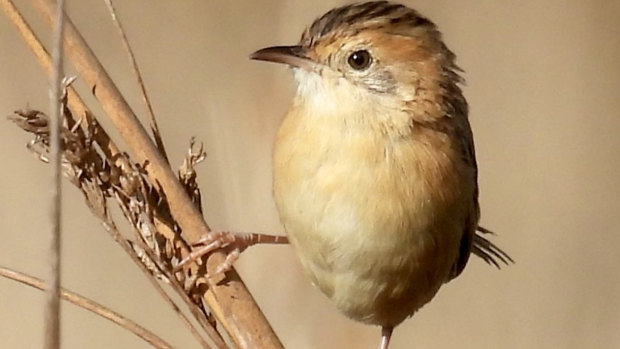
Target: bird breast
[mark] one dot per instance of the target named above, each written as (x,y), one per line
(375,216)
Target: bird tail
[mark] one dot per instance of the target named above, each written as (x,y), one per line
(488,251)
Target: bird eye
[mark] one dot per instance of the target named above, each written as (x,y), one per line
(360,60)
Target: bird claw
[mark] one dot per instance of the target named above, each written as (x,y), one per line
(231,258)
(235,243)
(212,242)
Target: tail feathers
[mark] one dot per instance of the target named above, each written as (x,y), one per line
(488,251)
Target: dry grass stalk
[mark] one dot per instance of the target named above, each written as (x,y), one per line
(52,303)
(92,306)
(230,301)
(100,180)
(163,216)
(134,65)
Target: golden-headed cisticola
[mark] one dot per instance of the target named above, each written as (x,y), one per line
(374,171)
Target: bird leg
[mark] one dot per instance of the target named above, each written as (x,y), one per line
(386,334)
(237,242)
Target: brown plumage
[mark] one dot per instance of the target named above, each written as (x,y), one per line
(375,175)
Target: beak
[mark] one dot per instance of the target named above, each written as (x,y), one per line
(295,56)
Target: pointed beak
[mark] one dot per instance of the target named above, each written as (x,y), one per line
(295,56)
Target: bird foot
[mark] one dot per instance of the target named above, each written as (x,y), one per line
(234,242)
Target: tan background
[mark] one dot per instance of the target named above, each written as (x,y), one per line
(543,85)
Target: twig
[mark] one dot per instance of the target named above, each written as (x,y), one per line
(109,149)
(136,70)
(111,228)
(73,99)
(92,306)
(52,304)
(230,301)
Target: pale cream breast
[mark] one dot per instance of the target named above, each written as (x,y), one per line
(375,217)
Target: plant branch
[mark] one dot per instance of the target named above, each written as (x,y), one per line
(73,99)
(111,152)
(147,102)
(230,301)
(92,306)
(52,304)
(111,228)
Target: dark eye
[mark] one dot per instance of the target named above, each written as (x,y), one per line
(359,60)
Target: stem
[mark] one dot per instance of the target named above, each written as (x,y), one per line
(52,304)
(230,301)
(92,306)
(140,81)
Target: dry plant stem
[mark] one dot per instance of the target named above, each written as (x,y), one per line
(92,306)
(129,126)
(230,301)
(198,315)
(52,304)
(111,228)
(82,165)
(111,151)
(136,70)
(73,99)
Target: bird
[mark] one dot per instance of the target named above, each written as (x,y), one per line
(374,169)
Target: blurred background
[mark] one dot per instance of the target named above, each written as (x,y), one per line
(544,90)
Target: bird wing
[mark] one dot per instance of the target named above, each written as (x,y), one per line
(473,240)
